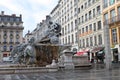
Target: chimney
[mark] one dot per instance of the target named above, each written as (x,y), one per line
(28,31)
(20,15)
(40,23)
(43,21)
(48,17)
(14,15)
(2,12)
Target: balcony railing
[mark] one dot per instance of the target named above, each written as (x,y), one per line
(106,4)
(4,42)
(17,42)
(118,0)
(112,20)
(11,42)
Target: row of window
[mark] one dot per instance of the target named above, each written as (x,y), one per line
(70,15)
(86,5)
(10,19)
(11,36)
(6,49)
(70,39)
(66,17)
(91,14)
(69,28)
(91,41)
(112,15)
(87,17)
(11,42)
(91,27)
(11,32)
(10,24)
(107,3)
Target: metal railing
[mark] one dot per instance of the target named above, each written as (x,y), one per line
(112,20)
(11,42)
(17,42)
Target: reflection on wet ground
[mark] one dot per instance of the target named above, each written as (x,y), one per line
(96,73)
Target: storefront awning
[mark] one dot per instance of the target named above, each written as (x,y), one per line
(96,49)
(82,53)
(85,50)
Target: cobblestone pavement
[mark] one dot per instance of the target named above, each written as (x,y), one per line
(93,74)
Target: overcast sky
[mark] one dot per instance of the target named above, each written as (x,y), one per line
(33,11)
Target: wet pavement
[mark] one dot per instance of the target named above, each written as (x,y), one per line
(91,74)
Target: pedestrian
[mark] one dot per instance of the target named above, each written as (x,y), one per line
(92,60)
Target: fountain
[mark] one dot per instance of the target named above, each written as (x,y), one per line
(37,56)
(42,52)
(43,55)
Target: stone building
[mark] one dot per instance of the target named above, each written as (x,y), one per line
(82,25)
(91,35)
(27,37)
(41,29)
(65,13)
(90,24)
(11,32)
(111,19)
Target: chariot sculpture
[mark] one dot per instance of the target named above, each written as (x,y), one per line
(42,52)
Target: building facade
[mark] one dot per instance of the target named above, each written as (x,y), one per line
(91,35)
(111,18)
(65,13)
(27,37)
(55,14)
(11,32)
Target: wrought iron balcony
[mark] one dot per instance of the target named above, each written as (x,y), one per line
(106,4)
(4,42)
(118,0)
(17,42)
(11,42)
(112,20)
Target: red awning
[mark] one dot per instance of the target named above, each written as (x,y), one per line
(81,53)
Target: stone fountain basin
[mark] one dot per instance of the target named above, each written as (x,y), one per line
(13,69)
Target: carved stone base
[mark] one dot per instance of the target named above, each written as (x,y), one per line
(81,62)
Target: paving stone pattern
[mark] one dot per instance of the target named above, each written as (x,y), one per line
(93,74)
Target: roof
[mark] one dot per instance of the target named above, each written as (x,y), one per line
(54,8)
